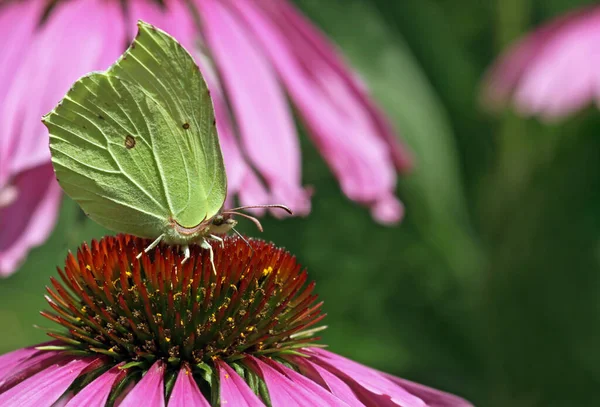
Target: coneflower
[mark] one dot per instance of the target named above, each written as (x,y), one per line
(154,332)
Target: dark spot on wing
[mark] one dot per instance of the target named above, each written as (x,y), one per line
(214,122)
(129,141)
(100,117)
(186,126)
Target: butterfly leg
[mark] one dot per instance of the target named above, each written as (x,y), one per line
(218,239)
(207,246)
(186,254)
(152,246)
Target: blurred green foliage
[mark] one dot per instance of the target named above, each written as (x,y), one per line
(489,288)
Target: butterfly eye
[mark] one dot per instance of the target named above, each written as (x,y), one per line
(218,220)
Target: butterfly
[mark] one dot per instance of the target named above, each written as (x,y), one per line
(136,146)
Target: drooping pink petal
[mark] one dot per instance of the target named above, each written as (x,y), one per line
(318,395)
(342,129)
(233,390)
(365,377)
(327,379)
(149,391)
(186,392)
(74,40)
(96,393)
(433,397)
(264,119)
(45,387)
(29,219)
(18,20)
(301,32)
(550,72)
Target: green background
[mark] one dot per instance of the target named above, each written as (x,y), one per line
(489,288)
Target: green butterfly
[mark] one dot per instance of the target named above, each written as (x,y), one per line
(137,147)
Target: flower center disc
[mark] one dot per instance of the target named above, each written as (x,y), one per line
(258,302)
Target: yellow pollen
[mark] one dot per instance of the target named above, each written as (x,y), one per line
(168,339)
(226,376)
(87,266)
(267,271)
(229,319)
(128,273)
(212,318)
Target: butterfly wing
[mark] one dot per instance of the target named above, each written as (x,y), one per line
(136,146)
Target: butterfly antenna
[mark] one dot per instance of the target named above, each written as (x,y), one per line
(243,238)
(243,215)
(285,208)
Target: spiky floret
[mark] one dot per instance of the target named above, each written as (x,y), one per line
(139,311)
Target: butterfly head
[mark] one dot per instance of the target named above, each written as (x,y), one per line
(222,223)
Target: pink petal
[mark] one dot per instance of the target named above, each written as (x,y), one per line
(16,369)
(550,72)
(149,391)
(96,393)
(265,122)
(233,389)
(336,385)
(367,378)
(186,392)
(45,387)
(74,41)
(315,393)
(12,359)
(343,131)
(28,221)
(433,397)
(17,24)
(388,210)
(301,31)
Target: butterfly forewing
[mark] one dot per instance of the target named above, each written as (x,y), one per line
(136,146)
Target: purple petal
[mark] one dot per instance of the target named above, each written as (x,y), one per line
(336,385)
(96,393)
(14,373)
(74,40)
(17,24)
(265,122)
(45,387)
(301,31)
(433,397)
(233,390)
(149,391)
(318,394)
(550,72)
(342,128)
(365,377)
(186,392)
(11,360)
(29,219)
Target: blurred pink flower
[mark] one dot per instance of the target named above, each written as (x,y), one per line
(254,54)
(551,72)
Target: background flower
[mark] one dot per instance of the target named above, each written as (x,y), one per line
(552,71)
(48,45)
